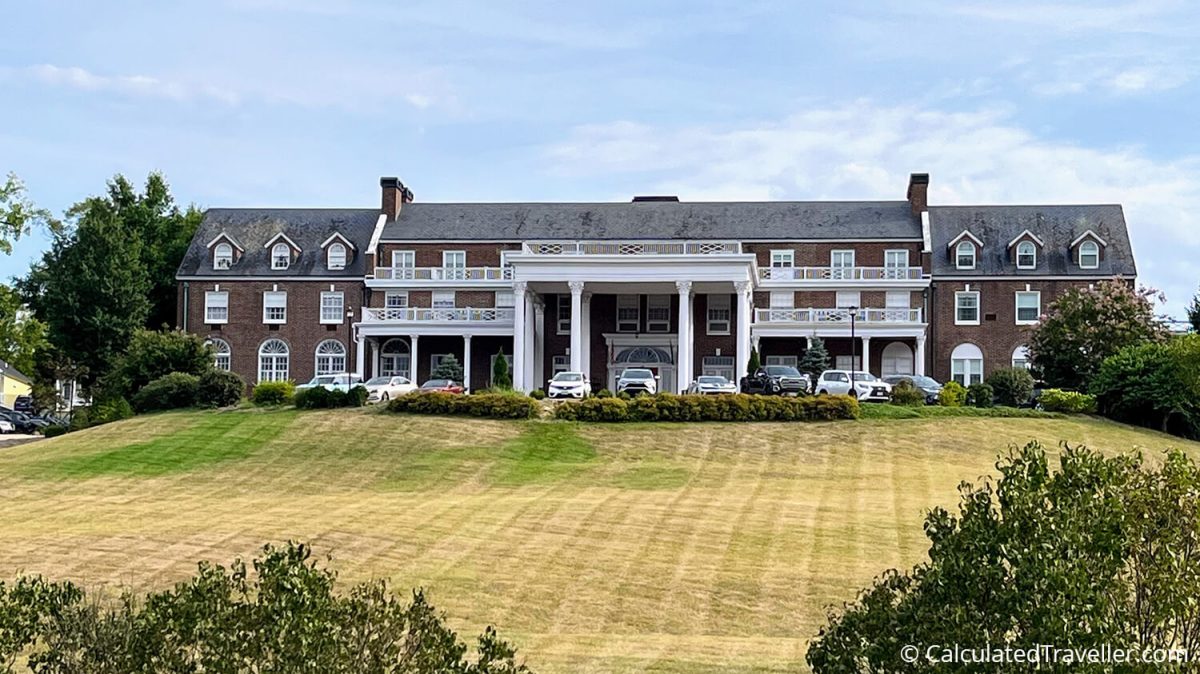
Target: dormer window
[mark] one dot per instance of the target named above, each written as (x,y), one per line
(336,256)
(338,252)
(281,256)
(222,256)
(1026,255)
(964,255)
(1089,255)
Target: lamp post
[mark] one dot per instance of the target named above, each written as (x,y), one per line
(853,342)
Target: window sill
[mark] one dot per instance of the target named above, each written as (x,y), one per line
(1034,322)
(326,322)
(284,322)
(966,322)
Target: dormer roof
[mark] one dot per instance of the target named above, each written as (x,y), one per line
(286,240)
(1086,235)
(1027,235)
(224,236)
(337,236)
(961,236)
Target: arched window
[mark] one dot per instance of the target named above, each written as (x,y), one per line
(966,364)
(222,356)
(964,255)
(1020,357)
(897,359)
(1089,255)
(643,354)
(222,256)
(337,256)
(394,359)
(331,357)
(273,361)
(1026,255)
(281,256)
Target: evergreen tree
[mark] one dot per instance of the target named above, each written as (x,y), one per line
(500,375)
(1193,313)
(449,368)
(815,359)
(754,363)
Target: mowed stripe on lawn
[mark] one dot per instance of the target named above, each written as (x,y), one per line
(630,548)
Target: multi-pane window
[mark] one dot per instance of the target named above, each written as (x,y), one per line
(403,259)
(964,255)
(783,258)
(848,298)
(658,313)
(331,357)
(222,354)
(1029,306)
(1026,255)
(443,299)
(281,256)
(560,364)
(222,256)
(895,263)
(454,264)
(395,299)
(273,361)
(1020,357)
(719,366)
(275,306)
(719,314)
(841,263)
(216,307)
(337,256)
(966,364)
(505,298)
(333,307)
(966,308)
(563,315)
(790,361)
(394,358)
(628,313)
(1089,255)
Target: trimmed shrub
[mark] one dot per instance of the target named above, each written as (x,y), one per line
(168,392)
(538,394)
(734,407)
(53,431)
(319,397)
(501,377)
(1071,402)
(486,405)
(980,395)
(604,393)
(904,393)
(273,392)
(952,395)
(1011,386)
(218,388)
(624,395)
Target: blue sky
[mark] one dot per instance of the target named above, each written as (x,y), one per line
(308,102)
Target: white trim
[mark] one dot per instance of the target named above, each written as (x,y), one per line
(272,256)
(1030,277)
(351,278)
(881,239)
(213,293)
(1017,254)
(341,318)
(978,308)
(708,309)
(338,235)
(1017,306)
(788,256)
(375,234)
(285,238)
(396,293)
(317,355)
(228,238)
(1030,235)
(1079,256)
(265,320)
(926,233)
(1086,234)
(217,256)
(958,256)
(329,256)
(969,235)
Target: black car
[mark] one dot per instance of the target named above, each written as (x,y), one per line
(23,404)
(776,380)
(927,385)
(24,423)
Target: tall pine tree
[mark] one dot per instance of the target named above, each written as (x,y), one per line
(815,359)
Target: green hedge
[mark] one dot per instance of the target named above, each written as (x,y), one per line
(488,405)
(319,397)
(733,407)
(218,388)
(169,392)
(273,392)
(980,395)
(1071,402)
(904,393)
(953,394)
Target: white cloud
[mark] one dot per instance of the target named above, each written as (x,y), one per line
(866,151)
(133,85)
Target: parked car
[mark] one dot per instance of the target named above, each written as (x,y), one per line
(776,380)
(927,385)
(1034,402)
(861,385)
(383,389)
(24,423)
(709,384)
(333,382)
(7,426)
(569,385)
(442,385)
(23,404)
(637,380)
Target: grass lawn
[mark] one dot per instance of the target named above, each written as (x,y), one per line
(597,548)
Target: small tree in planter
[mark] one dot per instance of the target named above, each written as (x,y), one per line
(500,375)
(754,363)
(815,359)
(449,368)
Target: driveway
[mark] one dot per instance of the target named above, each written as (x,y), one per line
(14,439)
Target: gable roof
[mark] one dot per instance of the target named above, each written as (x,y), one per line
(1079,239)
(12,372)
(228,238)
(1034,237)
(283,236)
(1056,226)
(966,234)
(305,228)
(338,235)
(744,220)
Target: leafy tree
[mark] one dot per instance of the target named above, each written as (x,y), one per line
(1193,313)
(1012,386)
(500,375)
(1100,553)
(1086,325)
(753,363)
(21,335)
(815,359)
(18,215)
(1155,385)
(154,354)
(449,368)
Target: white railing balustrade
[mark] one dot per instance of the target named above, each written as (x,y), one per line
(437,315)
(812,315)
(632,247)
(444,273)
(840,273)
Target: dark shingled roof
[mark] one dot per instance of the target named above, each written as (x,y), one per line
(252,228)
(769,220)
(1056,226)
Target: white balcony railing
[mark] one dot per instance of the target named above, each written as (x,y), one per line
(491,315)
(811,315)
(840,273)
(444,273)
(632,247)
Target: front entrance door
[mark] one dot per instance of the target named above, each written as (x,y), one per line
(658,359)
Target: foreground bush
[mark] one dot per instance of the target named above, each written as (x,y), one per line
(1012,386)
(953,394)
(1100,552)
(218,388)
(979,395)
(168,392)
(1071,402)
(279,615)
(904,393)
(273,393)
(321,398)
(487,405)
(1154,385)
(732,407)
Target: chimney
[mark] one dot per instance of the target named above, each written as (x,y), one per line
(918,192)
(395,195)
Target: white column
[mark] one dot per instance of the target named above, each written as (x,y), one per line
(360,356)
(518,360)
(919,365)
(866,354)
(376,348)
(743,327)
(414,359)
(682,375)
(539,344)
(691,364)
(586,355)
(466,382)
(576,325)
(530,341)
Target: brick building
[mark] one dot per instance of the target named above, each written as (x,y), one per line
(683,288)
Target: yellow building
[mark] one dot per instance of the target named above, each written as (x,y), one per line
(12,385)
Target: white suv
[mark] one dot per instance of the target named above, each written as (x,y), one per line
(637,380)
(866,385)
